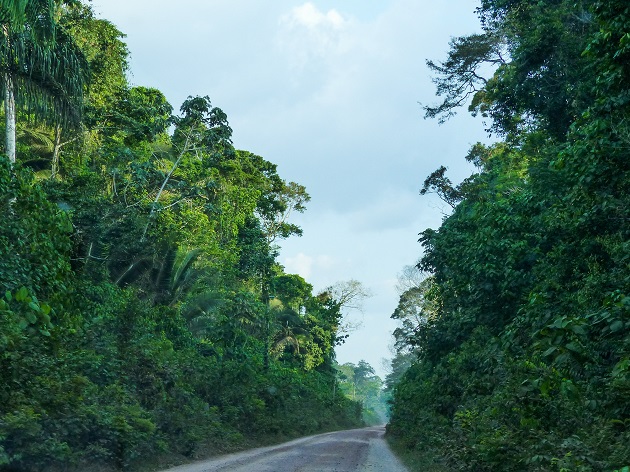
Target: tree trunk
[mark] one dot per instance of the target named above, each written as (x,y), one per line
(56,151)
(9,112)
(157,198)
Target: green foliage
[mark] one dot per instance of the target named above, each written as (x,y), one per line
(105,52)
(142,309)
(34,236)
(137,114)
(523,361)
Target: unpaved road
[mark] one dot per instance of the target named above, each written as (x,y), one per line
(357,450)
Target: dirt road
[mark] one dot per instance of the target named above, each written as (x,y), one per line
(357,450)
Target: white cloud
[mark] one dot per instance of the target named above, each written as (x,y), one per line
(309,16)
(300,264)
(308,36)
(305,265)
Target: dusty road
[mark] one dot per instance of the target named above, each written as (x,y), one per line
(358,450)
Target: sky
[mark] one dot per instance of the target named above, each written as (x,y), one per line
(330,91)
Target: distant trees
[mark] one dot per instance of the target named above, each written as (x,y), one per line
(359,382)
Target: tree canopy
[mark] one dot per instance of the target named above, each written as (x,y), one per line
(519,335)
(144,316)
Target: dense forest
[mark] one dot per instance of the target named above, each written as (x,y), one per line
(143,313)
(359,382)
(518,336)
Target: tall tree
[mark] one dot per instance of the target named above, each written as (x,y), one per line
(43,71)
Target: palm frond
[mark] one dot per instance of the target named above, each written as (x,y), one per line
(279,347)
(183,269)
(164,273)
(49,72)
(13,11)
(38,137)
(202,304)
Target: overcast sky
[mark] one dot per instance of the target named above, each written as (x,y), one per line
(327,90)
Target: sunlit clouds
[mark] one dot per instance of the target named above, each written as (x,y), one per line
(311,39)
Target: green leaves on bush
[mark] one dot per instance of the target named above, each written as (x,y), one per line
(524,362)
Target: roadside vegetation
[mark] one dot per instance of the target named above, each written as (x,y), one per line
(143,313)
(514,346)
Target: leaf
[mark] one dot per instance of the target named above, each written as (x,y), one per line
(31,317)
(616,326)
(544,388)
(621,367)
(577,329)
(572,346)
(560,322)
(21,294)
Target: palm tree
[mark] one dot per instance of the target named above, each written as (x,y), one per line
(42,71)
(170,274)
(290,331)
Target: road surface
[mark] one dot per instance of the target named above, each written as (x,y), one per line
(357,450)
